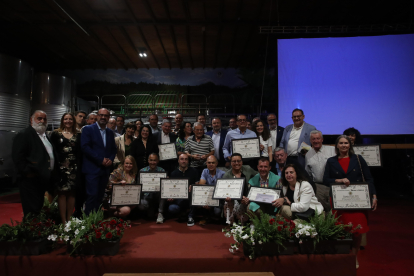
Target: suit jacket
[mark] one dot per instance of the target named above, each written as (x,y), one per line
(94,150)
(223,134)
(120,148)
(304,197)
(333,170)
(157,136)
(279,131)
(304,136)
(31,157)
(141,153)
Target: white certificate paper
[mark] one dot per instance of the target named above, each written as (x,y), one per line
(353,197)
(263,195)
(174,188)
(229,187)
(167,151)
(248,148)
(126,195)
(202,195)
(370,153)
(151,181)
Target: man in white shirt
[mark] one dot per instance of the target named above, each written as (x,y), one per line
(34,158)
(294,135)
(164,137)
(315,161)
(218,135)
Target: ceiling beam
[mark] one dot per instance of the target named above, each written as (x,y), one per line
(187,31)
(172,33)
(221,13)
(233,42)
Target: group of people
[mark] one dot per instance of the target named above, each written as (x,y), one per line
(87,154)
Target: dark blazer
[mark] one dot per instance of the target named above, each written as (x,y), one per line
(94,151)
(279,131)
(157,137)
(223,134)
(30,156)
(141,153)
(333,170)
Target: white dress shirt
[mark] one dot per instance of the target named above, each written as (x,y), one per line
(273,137)
(315,161)
(165,138)
(49,148)
(292,149)
(216,142)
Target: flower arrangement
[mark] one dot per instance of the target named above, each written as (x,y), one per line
(305,231)
(91,228)
(32,227)
(263,229)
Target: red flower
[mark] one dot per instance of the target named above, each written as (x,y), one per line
(271,221)
(279,228)
(286,220)
(119,225)
(118,233)
(48,224)
(98,235)
(121,220)
(280,222)
(113,222)
(108,235)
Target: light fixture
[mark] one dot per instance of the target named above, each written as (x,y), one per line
(143,54)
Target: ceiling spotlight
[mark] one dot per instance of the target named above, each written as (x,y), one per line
(142,54)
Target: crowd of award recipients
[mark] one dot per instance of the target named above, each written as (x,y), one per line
(82,160)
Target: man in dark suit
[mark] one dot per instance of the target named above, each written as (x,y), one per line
(219,136)
(164,137)
(276,133)
(34,159)
(99,149)
(202,119)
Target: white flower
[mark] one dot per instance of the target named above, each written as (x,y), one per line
(227,235)
(83,227)
(252,226)
(253,243)
(252,239)
(66,238)
(251,257)
(260,242)
(234,238)
(52,237)
(76,232)
(223,230)
(231,251)
(245,237)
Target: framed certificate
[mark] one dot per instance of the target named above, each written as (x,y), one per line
(176,188)
(229,187)
(167,151)
(151,181)
(371,153)
(248,148)
(263,195)
(126,195)
(354,197)
(202,195)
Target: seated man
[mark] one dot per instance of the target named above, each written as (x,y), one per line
(183,171)
(148,198)
(264,179)
(209,177)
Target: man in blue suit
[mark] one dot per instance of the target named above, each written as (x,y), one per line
(294,135)
(219,136)
(99,149)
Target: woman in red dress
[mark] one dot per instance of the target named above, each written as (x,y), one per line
(345,168)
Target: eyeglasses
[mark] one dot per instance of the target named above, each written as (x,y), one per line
(103,115)
(297,117)
(236,161)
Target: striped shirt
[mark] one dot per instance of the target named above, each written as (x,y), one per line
(205,146)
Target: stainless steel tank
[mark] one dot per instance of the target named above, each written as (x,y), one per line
(53,95)
(15,89)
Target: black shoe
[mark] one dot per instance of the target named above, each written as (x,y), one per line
(190,222)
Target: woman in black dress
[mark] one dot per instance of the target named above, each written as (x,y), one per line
(65,141)
(143,146)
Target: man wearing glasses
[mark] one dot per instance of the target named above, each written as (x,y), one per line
(294,135)
(239,133)
(99,149)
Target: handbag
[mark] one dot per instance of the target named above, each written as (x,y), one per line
(360,167)
(304,215)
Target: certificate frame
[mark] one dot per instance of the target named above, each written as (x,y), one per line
(252,189)
(169,181)
(222,181)
(236,141)
(359,149)
(151,191)
(196,187)
(162,147)
(334,192)
(137,200)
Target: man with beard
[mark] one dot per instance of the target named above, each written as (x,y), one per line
(99,149)
(34,159)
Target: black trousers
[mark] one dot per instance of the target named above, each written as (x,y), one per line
(32,193)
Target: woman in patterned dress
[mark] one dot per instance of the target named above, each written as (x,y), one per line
(125,174)
(66,142)
(186,130)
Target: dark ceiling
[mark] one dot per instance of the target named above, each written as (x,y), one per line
(180,33)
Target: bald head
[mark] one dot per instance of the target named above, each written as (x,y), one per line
(212,163)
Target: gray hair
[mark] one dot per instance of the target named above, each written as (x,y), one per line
(197,124)
(92,113)
(165,121)
(104,109)
(110,119)
(316,132)
(38,111)
(279,149)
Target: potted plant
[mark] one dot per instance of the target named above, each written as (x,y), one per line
(266,236)
(91,235)
(29,237)
(329,235)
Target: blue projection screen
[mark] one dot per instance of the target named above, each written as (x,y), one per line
(361,82)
